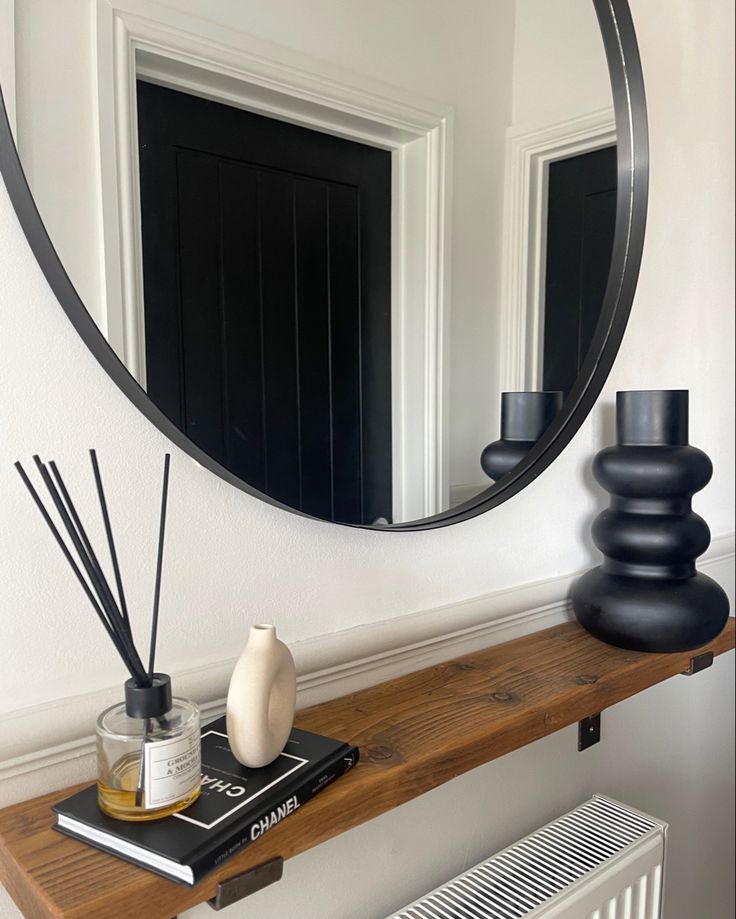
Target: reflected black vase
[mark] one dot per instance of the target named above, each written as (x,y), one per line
(647,595)
(525,416)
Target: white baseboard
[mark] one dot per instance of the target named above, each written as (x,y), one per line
(50,746)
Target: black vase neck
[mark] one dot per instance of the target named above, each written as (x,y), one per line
(525,416)
(652,417)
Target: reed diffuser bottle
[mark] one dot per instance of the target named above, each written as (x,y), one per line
(148,747)
(148,753)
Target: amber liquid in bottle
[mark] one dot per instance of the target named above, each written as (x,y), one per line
(123,799)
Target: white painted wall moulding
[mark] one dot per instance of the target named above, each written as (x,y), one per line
(42,744)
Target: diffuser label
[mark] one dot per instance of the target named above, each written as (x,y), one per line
(173,768)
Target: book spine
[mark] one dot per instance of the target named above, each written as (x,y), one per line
(274,812)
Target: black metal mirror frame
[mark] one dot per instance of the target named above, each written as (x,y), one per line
(627,85)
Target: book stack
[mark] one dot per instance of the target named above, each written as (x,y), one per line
(236,806)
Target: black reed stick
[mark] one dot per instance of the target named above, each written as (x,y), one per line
(99,573)
(61,485)
(78,540)
(159,566)
(67,554)
(110,540)
(118,620)
(114,618)
(95,576)
(140,788)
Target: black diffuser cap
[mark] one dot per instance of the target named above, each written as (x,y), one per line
(527,415)
(148,701)
(652,417)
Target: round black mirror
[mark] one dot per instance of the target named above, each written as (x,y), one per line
(323,284)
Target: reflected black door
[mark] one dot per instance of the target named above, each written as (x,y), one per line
(581,220)
(266,262)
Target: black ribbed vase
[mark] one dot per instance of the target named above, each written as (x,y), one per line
(525,416)
(647,595)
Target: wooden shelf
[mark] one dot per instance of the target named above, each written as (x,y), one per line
(414,733)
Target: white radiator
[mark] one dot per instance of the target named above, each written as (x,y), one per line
(603,860)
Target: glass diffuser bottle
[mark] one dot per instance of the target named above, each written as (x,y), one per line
(148,753)
(149,746)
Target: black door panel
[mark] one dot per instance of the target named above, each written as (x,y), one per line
(581,219)
(267,252)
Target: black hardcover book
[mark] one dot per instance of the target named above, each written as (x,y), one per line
(236,806)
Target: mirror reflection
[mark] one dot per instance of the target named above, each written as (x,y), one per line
(355,251)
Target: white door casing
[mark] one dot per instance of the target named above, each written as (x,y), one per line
(140,38)
(529,151)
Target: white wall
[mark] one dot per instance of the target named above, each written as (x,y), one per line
(560,69)
(7,57)
(55,132)
(232,561)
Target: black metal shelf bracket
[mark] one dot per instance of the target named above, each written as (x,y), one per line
(243,885)
(589,732)
(698,663)
(589,729)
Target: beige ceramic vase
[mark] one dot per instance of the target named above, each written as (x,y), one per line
(261,699)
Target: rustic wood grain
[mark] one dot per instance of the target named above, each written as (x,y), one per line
(415,733)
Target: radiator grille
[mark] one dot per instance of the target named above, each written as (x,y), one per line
(640,899)
(551,866)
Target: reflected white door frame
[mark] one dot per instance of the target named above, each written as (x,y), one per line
(529,151)
(140,38)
